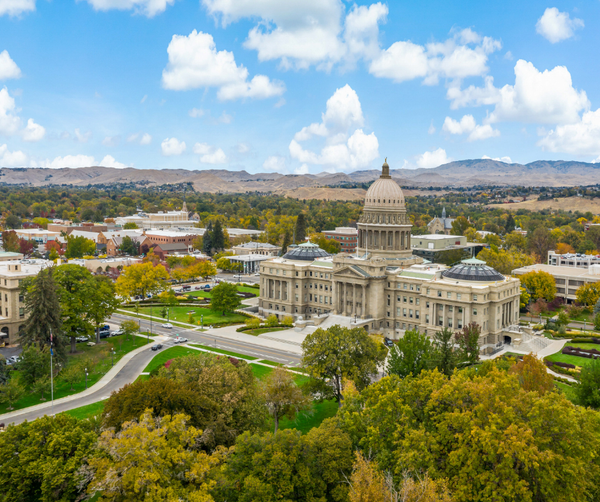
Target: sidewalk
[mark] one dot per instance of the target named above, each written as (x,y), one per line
(230,333)
(94,388)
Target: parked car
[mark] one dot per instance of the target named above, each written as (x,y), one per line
(186,288)
(206,286)
(81,339)
(105,331)
(180,339)
(156,346)
(167,325)
(13,360)
(237,276)
(387,342)
(257,274)
(117,332)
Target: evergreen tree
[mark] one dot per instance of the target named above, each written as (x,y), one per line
(218,237)
(300,228)
(207,240)
(42,307)
(510,223)
(286,243)
(444,356)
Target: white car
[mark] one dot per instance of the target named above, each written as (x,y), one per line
(180,339)
(167,325)
(117,332)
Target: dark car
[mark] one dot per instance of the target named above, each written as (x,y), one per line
(104,331)
(156,346)
(387,342)
(186,288)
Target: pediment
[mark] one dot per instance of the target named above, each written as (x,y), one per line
(352,272)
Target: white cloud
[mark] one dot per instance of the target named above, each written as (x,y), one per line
(8,68)
(12,159)
(346,146)
(303,169)
(143,100)
(431,129)
(361,33)
(243,148)
(468,125)
(194,62)
(210,154)
(146,139)
(463,55)
(66,161)
(196,112)
(33,131)
(581,138)
(225,118)
(111,141)
(9,121)
(546,97)
(275,164)
(109,161)
(172,146)
(499,159)
(433,158)
(16,7)
(149,8)
(82,137)
(556,26)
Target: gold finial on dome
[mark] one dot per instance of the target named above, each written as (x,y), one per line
(385,170)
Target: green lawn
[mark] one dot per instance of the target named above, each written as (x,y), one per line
(225,352)
(260,371)
(272,363)
(306,421)
(180,314)
(162,356)
(584,345)
(87,411)
(260,331)
(206,294)
(568,390)
(566,358)
(98,361)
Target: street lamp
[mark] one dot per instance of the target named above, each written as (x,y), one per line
(202,321)
(86,375)
(112,361)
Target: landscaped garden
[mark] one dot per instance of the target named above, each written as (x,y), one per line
(207,294)
(71,376)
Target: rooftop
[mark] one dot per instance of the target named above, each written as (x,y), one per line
(257,245)
(307,251)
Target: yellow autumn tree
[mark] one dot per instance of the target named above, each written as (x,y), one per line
(141,279)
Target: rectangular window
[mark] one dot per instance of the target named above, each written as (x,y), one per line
(474,298)
(320,298)
(404,312)
(398,285)
(417,314)
(448,294)
(458,296)
(417,301)
(426,318)
(405,286)
(410,299)
(426,304)
(439,293)
(410,313)
(450,308)
(311,298)
(296,297)
(21,312)
(21,298)
(440,321)
(404,299)
(398,312)
(449,322)
(474,312)
(403,325)
(459,324)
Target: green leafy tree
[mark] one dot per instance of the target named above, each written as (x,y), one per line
(468,343)
(41,386)
(588,294)
(4,372)
(10,241)
(510,224)
(287,240)
(288,321)
(504,260)
(130,225)
(524,439)
(540,284)
(597,322)
(532,375)
(224,263)
(563,318)
(13,221)
(300,229)
(52,454)
(129,246)
(515,240)
(253,322)
(34,363)
(43,311)
(283,397)
(272,321)
(524,299)
(129,328)
(333,355)
(225,298)
(103,303)
(288,466)
(152,459)
(78,247)
(11,392)
(72,375)
(77,290)
(540,242)
(460,225)
(588,390)
(410,355)
(329,245)
(444,356)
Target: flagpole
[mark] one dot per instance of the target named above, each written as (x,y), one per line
(51,375)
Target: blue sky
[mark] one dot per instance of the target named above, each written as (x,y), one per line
(296,86)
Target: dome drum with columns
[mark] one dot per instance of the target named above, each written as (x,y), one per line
(384,227)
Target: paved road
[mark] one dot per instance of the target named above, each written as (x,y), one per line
(238,346)
(138,362)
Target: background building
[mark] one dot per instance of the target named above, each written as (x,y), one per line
(346,236)
(441,225)
(572,259)
(446,249)
(258,248)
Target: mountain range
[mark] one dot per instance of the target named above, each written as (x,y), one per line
(462,173)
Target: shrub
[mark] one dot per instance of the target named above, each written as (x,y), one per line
(272,321)
(288,320)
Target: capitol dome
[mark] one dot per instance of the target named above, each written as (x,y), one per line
(385,193)
(473,270)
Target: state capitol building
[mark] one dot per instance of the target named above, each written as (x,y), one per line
(383,287)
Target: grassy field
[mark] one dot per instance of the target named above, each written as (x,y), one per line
(162,356)
(567,390)
(584,345)
(181,314)
(206,294)
(260,331)
(566,358)
(98,361)
(87,411)
(225,352)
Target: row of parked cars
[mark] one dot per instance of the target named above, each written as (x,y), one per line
(105,332)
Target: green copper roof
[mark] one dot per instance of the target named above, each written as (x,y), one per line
(473,261)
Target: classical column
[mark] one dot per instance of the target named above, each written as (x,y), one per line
(365,307)
(353,299)
(344,299)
